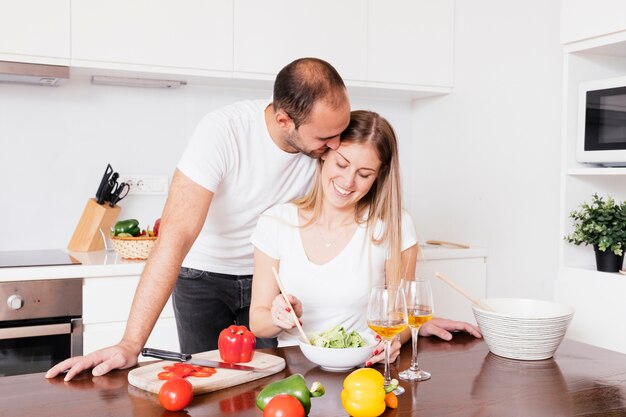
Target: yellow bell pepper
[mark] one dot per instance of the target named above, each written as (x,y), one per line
(364,393)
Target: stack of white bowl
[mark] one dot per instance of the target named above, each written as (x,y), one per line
(522,328)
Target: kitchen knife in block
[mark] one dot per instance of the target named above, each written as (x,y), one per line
(145,377)
(95,216)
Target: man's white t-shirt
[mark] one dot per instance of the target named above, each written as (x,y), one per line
(232,154)
(336,292)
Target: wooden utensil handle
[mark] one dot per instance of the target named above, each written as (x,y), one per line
(463,292)
(442,242)
(291,310)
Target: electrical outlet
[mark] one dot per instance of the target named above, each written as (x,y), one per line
(145,184)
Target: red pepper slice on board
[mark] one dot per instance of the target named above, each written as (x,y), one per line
(183,370)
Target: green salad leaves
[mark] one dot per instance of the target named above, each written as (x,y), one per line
(337,338)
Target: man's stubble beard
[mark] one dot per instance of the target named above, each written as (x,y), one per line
(295,141)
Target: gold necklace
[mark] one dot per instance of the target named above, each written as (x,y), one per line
(326,242)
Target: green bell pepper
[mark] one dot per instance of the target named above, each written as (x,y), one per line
(294,386)
(130,226)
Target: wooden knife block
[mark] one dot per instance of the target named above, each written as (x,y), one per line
(87,235)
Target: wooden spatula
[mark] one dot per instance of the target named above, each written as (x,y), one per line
(293,313)
(463,292)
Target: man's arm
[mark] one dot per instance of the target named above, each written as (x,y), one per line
(183,217)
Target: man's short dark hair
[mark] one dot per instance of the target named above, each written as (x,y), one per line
(303,82)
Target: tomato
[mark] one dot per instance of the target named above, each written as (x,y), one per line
(283,405)
(176,394)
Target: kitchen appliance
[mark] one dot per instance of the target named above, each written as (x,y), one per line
(40,324)
(46,257)
(26,73)
(602,122)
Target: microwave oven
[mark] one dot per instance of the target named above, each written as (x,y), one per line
(602,122)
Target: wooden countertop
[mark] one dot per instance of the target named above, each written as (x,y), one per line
(467,381)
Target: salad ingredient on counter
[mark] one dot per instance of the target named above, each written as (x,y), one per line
(157,226)
(236,344)
(293,385)
(183,370)
(283,405)
(364,393)
(176,394)
(126,227)
(337,337)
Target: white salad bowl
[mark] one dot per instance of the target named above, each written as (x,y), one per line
(339,359)
(523,329)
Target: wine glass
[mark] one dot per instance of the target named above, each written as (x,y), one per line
(419,300)
(387,316)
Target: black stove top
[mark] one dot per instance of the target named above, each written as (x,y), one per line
(46,257)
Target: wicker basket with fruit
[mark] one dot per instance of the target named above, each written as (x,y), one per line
(130,242)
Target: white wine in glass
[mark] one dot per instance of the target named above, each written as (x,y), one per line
(419,300)
(387,316)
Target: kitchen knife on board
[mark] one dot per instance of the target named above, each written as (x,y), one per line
(188,358)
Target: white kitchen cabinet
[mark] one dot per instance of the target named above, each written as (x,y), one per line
(466,267)
(411,42)
(101,335)
(269,34)
(191,34)
(106,305)
(36,31)
(596,296)
(585,19)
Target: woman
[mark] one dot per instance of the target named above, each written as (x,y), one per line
(331,246)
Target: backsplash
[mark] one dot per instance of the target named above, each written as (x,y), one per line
(55,143)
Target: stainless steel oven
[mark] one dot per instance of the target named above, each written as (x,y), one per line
(40,324)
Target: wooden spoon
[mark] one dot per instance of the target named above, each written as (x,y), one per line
(444,243)
(464,293)
(293,313)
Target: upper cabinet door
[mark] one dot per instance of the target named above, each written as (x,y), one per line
(35,31)
(271,33)
(193,34)
(411,42)
(584,19)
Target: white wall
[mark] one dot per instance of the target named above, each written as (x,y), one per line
(480,165)
(487,157)
(55,144)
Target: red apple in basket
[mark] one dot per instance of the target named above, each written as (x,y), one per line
(157,226)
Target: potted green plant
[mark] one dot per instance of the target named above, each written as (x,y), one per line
(603,225)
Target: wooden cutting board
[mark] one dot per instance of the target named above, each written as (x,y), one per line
(145,377)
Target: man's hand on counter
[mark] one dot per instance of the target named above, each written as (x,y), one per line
(102,361)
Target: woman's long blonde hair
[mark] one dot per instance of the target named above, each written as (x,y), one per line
(383,201)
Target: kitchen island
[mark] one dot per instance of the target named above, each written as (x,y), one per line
(467,381)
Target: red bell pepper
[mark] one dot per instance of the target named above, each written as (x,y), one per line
(236,344)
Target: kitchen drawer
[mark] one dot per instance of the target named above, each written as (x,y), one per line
(109,299)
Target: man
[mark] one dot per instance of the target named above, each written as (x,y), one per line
(241,160)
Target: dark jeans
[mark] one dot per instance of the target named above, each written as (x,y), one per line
(205,303)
